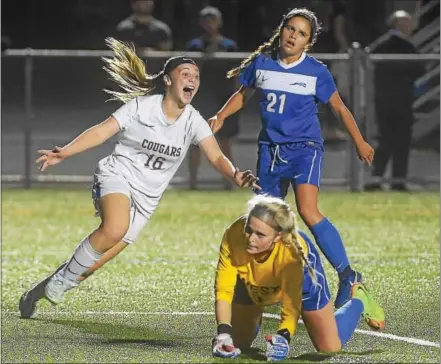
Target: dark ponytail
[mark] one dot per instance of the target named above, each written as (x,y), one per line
(272,45)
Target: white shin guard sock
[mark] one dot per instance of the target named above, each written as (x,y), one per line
(84,257)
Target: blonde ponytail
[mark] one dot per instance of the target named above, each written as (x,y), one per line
(128,71)
(290,239)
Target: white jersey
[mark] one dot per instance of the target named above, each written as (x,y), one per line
(150,149)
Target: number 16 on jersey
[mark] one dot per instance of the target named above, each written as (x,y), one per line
(154,162)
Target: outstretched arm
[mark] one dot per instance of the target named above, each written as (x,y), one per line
(222,345)
(233,105)
(90,138)
(223,312)
(364,150)
(277,347)
(226,276)
(292,281)
(217,159)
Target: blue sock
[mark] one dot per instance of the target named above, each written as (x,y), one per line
(329,241)
(347,318)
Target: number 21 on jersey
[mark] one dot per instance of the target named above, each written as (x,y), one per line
(275,104)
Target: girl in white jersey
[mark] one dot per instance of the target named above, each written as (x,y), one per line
(155,132)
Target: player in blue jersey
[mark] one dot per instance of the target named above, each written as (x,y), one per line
(290,143)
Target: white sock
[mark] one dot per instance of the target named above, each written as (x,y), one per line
(84,257)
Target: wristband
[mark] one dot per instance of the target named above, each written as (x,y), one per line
(224,329)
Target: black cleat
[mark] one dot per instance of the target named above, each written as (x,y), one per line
(29,299)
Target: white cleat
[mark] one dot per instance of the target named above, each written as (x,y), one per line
(55,288)
(29,299)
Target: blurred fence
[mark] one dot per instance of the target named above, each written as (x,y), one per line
(50,96)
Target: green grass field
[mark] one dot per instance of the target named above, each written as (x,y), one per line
(154,303)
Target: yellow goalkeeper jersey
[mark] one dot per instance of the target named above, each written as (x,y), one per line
(278,279)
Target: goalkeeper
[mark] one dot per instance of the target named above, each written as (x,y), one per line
(265,260)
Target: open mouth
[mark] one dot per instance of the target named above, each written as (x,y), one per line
(188,91)
(290,43)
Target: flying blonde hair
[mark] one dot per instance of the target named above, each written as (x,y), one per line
(128,71)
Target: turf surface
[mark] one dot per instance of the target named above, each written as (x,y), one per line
(392,238)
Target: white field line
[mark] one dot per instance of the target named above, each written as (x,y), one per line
(409,340)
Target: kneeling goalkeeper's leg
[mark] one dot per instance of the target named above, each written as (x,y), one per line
(246,320)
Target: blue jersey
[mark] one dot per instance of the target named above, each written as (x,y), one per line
(289,96)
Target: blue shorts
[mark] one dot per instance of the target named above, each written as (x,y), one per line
(315,295)
(279,165)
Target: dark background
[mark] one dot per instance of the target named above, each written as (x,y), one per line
(67,94)
(83,24)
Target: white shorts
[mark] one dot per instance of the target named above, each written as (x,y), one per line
(104,185)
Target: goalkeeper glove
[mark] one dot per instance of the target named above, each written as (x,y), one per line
(277,347)
(223,347)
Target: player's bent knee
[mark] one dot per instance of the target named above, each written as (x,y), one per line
(309,214)
(244,335)
(329,348)
(114,233)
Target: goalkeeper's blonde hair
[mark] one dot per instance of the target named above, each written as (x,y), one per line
(128,71)
(278,214)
